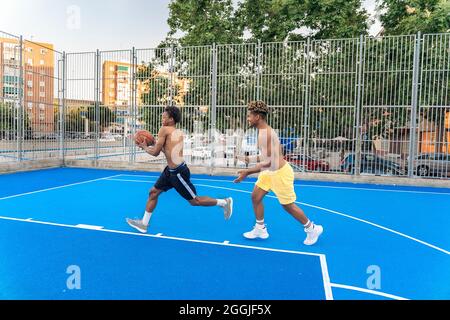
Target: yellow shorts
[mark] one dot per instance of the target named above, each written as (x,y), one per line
(281,182)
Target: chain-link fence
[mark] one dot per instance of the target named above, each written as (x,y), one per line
(376,106)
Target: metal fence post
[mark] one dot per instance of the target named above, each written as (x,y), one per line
(20,104)
(213,104)
(358,107)
(171,71)
(97,106)
(306,100)
(414,106)
(62,109)
(133,107)
(259,54)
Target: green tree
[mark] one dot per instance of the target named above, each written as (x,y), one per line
(278,20)
(105,117)
(73,120)
(151,116)
(334,18)
(155,84)
(410,16)
(427,16)
(8,120)
(434,98)
(279,68)
(203,22)
(7,117)
(267,20)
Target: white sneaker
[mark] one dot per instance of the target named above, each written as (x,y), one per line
(313,235)
(257,232)
(228,209)
(138,225)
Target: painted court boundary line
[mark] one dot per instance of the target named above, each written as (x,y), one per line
(324,266)
(319,208)
(111,178)
(327,282)
(55,188)
(306,185)
(374,292)
(322,258)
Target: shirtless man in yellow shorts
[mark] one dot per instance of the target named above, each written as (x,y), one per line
(276,174)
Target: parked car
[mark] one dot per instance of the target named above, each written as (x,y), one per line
(78,135)
(427,164)
(38,135)
(72,135)
(117,136)
(90,136)
(307,162)
(372,164)
(12,135)
(107,137)
(51,136)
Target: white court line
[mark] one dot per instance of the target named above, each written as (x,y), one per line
(348,216)
(164,237)
(374,292)
(323,209)
(127,180)
(324,269)
(54,188)
(226,242)
(88,226)
(307,185)
(326,278)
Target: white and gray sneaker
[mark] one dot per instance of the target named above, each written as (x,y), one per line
(138,225)
(228,209)
(257,232)
(312,234)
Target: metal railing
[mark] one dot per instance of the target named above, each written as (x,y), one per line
(376,106)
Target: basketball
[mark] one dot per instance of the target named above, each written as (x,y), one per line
(144,136)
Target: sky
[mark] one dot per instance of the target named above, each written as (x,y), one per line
(87,25)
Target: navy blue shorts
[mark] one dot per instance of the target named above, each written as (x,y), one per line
(178,178)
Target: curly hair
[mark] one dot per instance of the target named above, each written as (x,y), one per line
(174,113)
(258,107)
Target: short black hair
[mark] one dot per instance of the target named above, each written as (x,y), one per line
(174,113)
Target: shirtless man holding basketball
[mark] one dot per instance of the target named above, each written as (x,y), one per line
(176,174)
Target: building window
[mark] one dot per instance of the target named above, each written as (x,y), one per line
(42,117)
(42,94)
(30,84)
(29,49)
(30,105)
(30,61)
(30,93)
(41,62)
(41,106)
(43,51)
(42,83)
(111,69)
